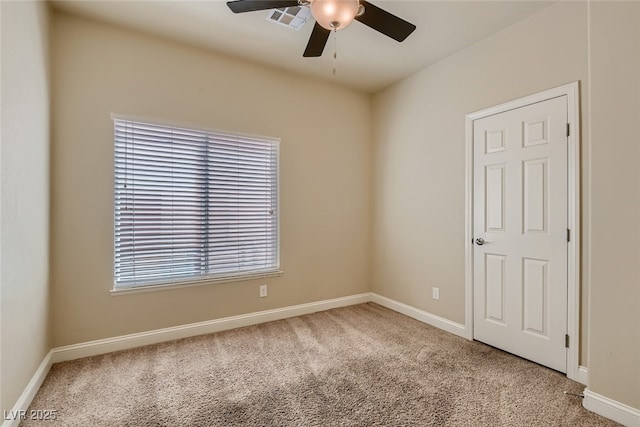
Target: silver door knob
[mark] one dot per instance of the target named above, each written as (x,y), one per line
(480,241)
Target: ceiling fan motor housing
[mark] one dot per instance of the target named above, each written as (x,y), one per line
(334,14)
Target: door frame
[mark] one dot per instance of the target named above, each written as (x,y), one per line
(571,90)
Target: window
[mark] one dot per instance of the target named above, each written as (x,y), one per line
(193,205)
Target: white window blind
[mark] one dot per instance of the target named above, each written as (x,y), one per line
(192,205)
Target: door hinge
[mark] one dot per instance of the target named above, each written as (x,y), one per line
(568,235)
(568,129)
(566,341)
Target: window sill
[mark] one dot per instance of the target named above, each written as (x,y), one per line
(192,283)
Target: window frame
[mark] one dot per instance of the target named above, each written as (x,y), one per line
(195,280)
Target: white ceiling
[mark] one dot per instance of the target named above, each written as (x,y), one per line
(367,60)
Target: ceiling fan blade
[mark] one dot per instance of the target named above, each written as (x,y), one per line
(241,6)
(317,41)
(385,22)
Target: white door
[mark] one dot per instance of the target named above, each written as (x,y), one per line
(520,231)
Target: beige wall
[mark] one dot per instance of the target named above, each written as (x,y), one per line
(614,351)
(325,190)
(24,196)
(419,151)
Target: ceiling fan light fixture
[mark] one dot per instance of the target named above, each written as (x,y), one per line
(334,14)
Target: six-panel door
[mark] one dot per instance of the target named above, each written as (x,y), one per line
(520,211)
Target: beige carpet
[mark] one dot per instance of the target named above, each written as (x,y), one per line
(356,366)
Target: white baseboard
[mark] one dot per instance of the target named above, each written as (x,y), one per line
(124,342)
(423,316)
(12,418)
(614,410)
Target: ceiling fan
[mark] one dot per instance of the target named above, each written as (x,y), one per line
(333,15)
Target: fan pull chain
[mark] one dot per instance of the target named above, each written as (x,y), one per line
(335,49)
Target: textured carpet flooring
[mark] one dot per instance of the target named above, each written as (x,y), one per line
(356,366)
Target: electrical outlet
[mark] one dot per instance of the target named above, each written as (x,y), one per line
(263,291)
(435,293)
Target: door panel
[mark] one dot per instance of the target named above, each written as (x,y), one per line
(495,196)
(535,281)
(536,196)
(520,211)
(494,287)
